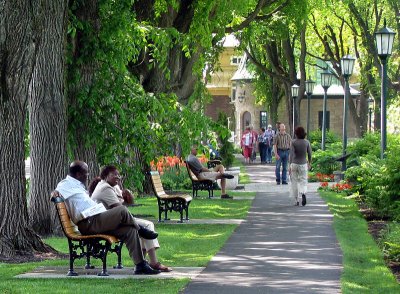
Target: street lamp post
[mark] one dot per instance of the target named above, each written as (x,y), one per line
(384,43)
(309,90)
(295,94)
(326,81)
(347,65)
(370,108)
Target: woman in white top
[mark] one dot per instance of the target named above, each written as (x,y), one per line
(105,189)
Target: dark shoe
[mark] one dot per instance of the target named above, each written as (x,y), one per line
(226,196)
(161,268)
(303,199)
(227,176)
(297,203)
(278,183)
(147,234)
(144,268)
(284,183)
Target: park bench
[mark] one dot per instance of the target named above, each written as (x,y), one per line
(178,203)
(213,163)
(85,246)
(203,185)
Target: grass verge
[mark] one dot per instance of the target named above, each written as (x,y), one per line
(364,270)
(243,176)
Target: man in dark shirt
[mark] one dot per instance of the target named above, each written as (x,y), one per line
(202,173)
(282,142)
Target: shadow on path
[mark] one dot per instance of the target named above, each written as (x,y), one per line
(279,249)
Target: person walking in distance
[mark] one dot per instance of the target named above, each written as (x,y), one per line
(282,142)
(247,143)
(269,135)
(262,145)
(300,163)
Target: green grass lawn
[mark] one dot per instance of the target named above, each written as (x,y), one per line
(198,209)
(364,270)
(181,245)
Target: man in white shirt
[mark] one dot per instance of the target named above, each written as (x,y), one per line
(117,221)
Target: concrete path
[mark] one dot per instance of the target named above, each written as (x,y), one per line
(280,248)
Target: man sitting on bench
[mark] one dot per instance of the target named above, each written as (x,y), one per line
(117,221)
(202,173)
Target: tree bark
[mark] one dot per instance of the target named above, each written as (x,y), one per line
(48,119)
(16,64)
(81,149)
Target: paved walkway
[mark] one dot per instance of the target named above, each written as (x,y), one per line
(279,249)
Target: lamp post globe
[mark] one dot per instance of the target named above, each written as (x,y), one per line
(309,90)
(384,43)
(326,82)
(347,66)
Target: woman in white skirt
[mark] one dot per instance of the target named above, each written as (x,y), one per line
(300,163)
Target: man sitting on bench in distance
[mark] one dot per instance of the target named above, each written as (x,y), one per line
(117,221)
(202,173)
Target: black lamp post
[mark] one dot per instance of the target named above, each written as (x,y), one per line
(309,90)
(347,65)
(295,94)
(326,81)
(384,43)
(370,108)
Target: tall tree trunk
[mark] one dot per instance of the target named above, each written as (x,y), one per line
(16,64)
(87,13)
(48,119)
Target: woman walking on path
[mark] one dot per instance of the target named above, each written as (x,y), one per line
(300,152)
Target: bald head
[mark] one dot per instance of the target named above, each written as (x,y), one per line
(79,170)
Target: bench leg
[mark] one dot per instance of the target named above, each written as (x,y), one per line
(103,272)
(187,212)
(72,253)
(119,258)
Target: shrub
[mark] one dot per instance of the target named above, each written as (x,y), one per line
(315,138)
(173,172)
(324,161)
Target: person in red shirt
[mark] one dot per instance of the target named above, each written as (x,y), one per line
(247,142)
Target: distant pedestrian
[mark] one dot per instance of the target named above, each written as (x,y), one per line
(253,155)
(282,142)
(262,145)
(300,163)
(247,143)
(269,135)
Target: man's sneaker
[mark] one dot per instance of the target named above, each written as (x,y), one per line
(227,176)
(147,234)
(144,268)
(303,199)
(278,183)
(226,196)
(284,183)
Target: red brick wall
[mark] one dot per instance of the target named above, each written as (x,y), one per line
(219,104)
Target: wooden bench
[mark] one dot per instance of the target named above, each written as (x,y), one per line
(203,185)
(85,246)
(167,202)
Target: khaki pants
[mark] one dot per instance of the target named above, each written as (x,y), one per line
(299,179)
(118,222)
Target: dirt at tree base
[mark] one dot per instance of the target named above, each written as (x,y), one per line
(376,226)
(32,257)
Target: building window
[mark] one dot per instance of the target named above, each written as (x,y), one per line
(263,119)
(233,95)
(320,115)
(235,60)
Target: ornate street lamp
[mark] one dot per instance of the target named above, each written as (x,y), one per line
(370,109)
(295,93)
(347,65)
(309,90)
(326,82)
(384,43)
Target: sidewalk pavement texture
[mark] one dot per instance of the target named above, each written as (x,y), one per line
(280,248)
